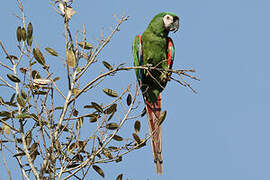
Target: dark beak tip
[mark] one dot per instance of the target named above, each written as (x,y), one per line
(176,28)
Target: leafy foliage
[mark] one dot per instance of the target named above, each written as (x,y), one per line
(34,111)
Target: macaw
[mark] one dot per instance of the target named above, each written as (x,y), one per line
(155,49)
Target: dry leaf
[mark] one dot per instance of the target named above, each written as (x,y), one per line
(70,12)
(71,59)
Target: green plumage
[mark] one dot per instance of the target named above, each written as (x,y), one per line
(154,48)
(155,53)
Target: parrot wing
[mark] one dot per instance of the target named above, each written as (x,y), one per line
(137,57)
(171,53)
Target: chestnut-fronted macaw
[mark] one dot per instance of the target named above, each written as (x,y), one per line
(155,49)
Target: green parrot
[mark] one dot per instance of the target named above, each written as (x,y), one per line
(155,49)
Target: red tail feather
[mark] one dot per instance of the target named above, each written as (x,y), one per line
(153,112)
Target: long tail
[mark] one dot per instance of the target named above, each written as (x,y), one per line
(153,112)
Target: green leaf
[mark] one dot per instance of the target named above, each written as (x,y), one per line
(119,177)
(136,137)
(29,38)
(59,108)
(20,101)
(107,65)
(39,56)
(98,170)
(23,94)
(23,70)
(28,138)
(19,33)
(117,138)
(13,78)
(51,51)
(93,117)
(5,114)
(137,126)
(107,154)
(35,74)
(112,148)
(34,116)
(40,92)
(56,79)
(143,112)
(162,117)
(75,112)
(23,116)
(79,123)
(19,154)
(119,159)
(76,91)
(99,141)
(111,126)
(110,92)
(29,30)
(142,144)
(89,106)
(12,98)
(12,57)
(111,116)
(120,65)
(72,147)
(2,101)
(71,59)
(97,107)
(77,158)
(63,128)
(129,99)
(33,63)
(73,165)
(29,41)
(85,45)
(4,141)
(110,109)
(23,34)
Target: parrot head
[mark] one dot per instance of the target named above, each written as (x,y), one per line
(164,22)
(171,22)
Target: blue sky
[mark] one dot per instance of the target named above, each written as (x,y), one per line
(220,133)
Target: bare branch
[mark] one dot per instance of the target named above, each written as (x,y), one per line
(123,19)
(11,127)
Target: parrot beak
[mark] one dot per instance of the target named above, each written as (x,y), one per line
(175,25)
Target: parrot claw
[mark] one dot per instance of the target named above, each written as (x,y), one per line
(149,65)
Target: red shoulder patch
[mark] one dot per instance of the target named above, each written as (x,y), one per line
(170,53)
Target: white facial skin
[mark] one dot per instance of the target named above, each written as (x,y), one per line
(168,21)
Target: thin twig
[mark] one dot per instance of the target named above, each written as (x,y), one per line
(6,166)
(54,84)
(6,66)
(103,45)
(4,49)
(11,127)
(7,84)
